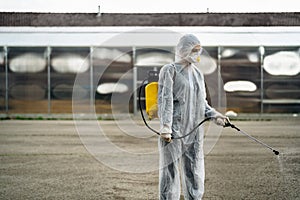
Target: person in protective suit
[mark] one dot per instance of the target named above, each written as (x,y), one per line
(181,106)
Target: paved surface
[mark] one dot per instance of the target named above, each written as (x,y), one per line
(47,160)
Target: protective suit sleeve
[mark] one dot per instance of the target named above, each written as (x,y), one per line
(165,98)
(210,112)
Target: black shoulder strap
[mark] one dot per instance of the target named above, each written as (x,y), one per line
(175,72)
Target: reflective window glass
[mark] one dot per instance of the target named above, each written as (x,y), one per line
(27,80)
(240,72)
(281,80)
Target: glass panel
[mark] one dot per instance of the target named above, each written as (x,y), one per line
(154,56)
(66,63)
(281,80)
(240,72)
(2,81)
(27,77)
(209,67)
(112,76)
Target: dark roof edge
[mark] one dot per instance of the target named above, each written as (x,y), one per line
(149,19)
(148,13)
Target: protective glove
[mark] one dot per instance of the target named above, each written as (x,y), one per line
(165,133)
(220,120)
(166,136)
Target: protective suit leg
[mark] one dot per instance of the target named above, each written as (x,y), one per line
(169,176)
(192,171)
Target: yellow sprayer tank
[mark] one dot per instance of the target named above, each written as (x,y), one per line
(151,91)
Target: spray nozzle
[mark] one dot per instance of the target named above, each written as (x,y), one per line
(276,152)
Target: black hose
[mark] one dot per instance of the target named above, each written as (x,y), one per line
(155,131)
(180,137)
(227,124)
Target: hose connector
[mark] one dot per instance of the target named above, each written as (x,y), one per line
(229,124)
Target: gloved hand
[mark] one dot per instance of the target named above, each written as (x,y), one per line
(166,136)
(165,133)
(221,120)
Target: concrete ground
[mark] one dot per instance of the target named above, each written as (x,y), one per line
(47,160)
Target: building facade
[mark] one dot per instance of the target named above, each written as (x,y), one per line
(49,62)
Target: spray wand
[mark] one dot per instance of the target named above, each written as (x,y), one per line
(229,124)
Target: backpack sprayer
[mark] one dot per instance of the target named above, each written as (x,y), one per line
(151,94)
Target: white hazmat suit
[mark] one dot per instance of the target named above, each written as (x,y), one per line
(181,106)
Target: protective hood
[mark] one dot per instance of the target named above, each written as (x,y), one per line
(185,46)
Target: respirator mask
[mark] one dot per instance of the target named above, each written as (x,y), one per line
(194,56)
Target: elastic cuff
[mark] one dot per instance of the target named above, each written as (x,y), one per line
(165,129)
